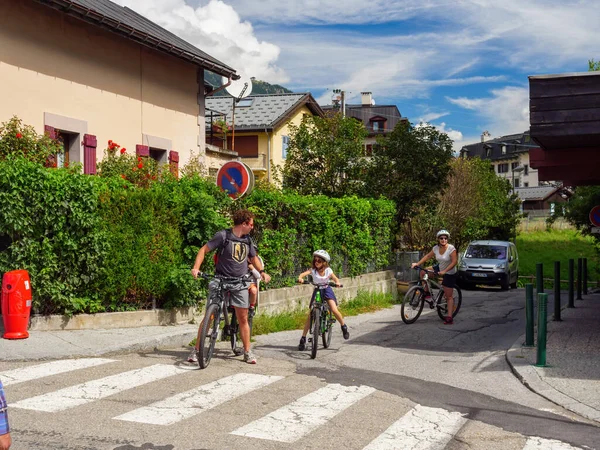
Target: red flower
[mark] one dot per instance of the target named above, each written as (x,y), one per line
(123,176)
(140,165)
(134,169)
(123,150)
(19,135)
(139,158)
(110,143)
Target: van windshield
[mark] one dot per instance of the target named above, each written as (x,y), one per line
(486,252)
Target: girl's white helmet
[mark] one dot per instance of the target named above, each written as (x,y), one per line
(322,254)
(442,233)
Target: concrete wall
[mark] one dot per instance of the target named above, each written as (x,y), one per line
(55,66)
(271,302)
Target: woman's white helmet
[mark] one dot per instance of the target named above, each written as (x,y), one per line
(322,254)
(443,233)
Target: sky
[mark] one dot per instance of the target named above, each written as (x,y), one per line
(459,65)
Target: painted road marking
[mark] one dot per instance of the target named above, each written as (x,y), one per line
(537,443)
(187,404)
(47,369)
(97,389)
(421,428)
(291,422)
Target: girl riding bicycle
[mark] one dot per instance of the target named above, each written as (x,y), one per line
(321,274)
(445,254)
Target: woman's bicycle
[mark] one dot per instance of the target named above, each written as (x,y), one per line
(321,318)
(415,299)
(219,310)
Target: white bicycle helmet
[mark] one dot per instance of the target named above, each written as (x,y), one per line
(322,254)
(442,233)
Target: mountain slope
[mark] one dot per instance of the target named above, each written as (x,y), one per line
(258,87)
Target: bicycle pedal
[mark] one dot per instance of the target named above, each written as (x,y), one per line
(309,340)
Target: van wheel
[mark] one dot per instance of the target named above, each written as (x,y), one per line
(514,285)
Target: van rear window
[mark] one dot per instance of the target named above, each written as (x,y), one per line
(486,252)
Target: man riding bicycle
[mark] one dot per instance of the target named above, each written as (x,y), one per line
(235,249)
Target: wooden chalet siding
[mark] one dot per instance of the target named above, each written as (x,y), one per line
(89,154)
(565,111)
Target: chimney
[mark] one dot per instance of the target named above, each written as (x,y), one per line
(367,98)
(485,136)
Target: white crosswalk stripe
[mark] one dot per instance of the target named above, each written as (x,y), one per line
(537,443)
(50,368)
(291,422)
(421,428)
(97,389)
(203,398)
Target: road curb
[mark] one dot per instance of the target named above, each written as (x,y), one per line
(520,359)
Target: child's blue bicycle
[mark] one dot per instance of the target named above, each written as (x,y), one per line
(321,319)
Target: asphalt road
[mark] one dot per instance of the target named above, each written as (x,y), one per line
(392,385)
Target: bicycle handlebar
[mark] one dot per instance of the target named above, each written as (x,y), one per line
(209,276)
(330,283)
(425,269)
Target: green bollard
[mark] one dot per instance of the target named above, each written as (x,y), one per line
(571,283)
(557,291)
(529,315)
(585,291)
(541,330)
(579,270)
(539,278)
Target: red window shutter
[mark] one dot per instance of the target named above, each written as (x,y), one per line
(142,150)
(174,163)
(50,131)
(89,154)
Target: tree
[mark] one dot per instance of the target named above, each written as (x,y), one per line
(476,204)
(410,167)
(593,66)
(325,156)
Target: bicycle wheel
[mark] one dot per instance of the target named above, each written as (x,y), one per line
(442,309)
(412,305)
(327,329)
(316,331)
(209,334)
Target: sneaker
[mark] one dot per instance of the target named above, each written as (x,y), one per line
(238,351)
(249,357)
(345,331)
(193,358)
(449,320)
(251,311)
(302,344)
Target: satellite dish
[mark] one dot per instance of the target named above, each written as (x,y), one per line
(239,88)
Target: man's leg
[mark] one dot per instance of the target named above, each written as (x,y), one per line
(242,318)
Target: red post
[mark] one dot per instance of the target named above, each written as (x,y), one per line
(16,304)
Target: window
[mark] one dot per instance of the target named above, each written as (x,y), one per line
(378,125)
(244,103)
(285,142)
(526,184)
(503,168)
(488,151)
(514,165)
(504,149)
(159,155)
(517,183)
(525,169)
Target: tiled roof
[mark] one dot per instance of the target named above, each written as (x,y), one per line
(264,110)
(133,26)
(535,193)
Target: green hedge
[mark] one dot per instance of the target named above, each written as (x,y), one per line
(95,244)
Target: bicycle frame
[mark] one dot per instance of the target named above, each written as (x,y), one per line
(321,319)
(436,297)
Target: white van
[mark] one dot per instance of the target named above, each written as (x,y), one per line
(489,262)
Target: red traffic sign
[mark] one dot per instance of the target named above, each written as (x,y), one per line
(235,178)
(595,216)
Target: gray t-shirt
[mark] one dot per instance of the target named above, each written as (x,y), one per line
(233,259)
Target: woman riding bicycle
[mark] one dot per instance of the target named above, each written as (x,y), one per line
(321,274)
(445,254)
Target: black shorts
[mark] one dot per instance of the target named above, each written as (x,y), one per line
(449,280)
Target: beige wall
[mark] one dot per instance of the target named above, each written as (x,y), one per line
(51,63)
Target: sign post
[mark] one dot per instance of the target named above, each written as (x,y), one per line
(235,178)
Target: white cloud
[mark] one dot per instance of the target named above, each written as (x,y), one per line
(218,30)
(506,110)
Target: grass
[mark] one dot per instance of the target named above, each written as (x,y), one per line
(294,320)
(546,247)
